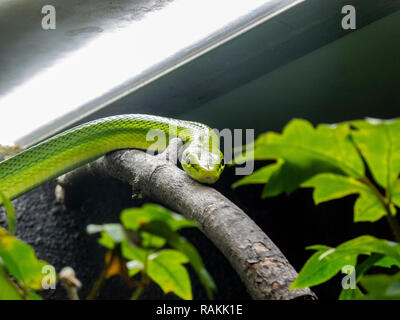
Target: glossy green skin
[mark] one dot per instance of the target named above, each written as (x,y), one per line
(201,158)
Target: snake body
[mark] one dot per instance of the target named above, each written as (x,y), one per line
(201,157)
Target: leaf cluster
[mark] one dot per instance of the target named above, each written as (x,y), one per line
(148,244)
(21,273)
(359,157)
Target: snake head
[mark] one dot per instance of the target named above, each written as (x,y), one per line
(202,164)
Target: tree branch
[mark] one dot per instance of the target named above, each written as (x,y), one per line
(263,268)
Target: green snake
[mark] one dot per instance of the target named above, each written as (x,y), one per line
(201,158)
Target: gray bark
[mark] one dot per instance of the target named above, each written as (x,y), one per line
(264,270)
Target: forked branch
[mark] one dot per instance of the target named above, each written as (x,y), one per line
(263,268)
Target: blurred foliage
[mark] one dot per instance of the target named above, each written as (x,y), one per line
(20,271)
(8,151)
(138,248)
(11,218)
(146,244)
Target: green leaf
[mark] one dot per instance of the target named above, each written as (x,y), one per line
(152,241)
(136,217)
(134,267)
(114,230)
(396,192)
(111,233)
(368,244)
(11,217)
(134,253)
(361,269)
(318,247)
(329,186)
(7,290)
(34,296)
(260,176)
(323,265)
(106,241)
(20,260)
(165,268)
(327,262)
(114,233)
(381,287)
(180,243)
(371,261)
(351,294)
(387,262)
(379,143)
(304,151)
(368,208)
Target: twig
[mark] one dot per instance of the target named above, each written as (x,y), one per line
(70,282)
(102,277)
(393,224)
(138,292)
(262,267)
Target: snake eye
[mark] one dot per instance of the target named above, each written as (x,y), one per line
(187,161)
